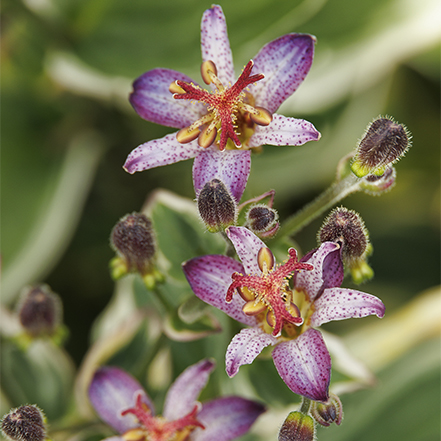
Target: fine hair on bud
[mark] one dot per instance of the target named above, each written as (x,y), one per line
(133,240)
(25,423)
(383,144)
(297,427)
(261,218)
(345,227)
(39,310)
(216,205)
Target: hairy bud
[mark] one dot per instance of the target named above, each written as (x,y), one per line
(297,427)
(25,423)
(217,206)
(39,310)
(329,412)
(383,144)
(133,240)
(262,220)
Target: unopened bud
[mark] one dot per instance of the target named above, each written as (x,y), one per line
(217,206)
(262,220)
(347,228)
(133,240)
(297,427)
(39,311)
(384,143)
(25,423)
(329,412)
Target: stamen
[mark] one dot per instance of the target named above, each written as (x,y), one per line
(207,136)
(175,88)
(187,134)
(265,260)
(253,308)
(208,72)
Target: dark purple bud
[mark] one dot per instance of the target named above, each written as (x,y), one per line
(297,427)
(345,227)
(133,239)
(262,220)
(384,143)
(329,412)
(39,310)
(216,206)
(25,423)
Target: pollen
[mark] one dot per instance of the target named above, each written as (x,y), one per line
(228,109)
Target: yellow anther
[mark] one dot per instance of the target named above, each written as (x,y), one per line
(270,318)
(208,69)
(245,293)
(187,135)
(265,260)
(174,88)
(134,435)
(253,308)
(207,136)
(262,117)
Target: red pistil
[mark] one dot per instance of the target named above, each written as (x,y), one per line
(159,429)
(272,290)
(223,106)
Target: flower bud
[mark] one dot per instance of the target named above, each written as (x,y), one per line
(297,427)
(217,206)
(329,412)
(133,240)
(262,220)
(25,423)
(39,311)
(383,144)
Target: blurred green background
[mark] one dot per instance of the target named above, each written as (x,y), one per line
(67,127)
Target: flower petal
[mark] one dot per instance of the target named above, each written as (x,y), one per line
(226,418)
(245,347)
(342,303)
(284,131)
(159,152)
(311,282)
(247,246)
(305,365)
(184,392)
(215,44)
(232,167)
(210,277)
(285,63)
(154,102)
(113,390)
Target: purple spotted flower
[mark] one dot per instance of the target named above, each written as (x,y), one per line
(219,127)
(122,403)
(257,293)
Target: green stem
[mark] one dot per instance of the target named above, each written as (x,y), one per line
(306,404)
(335,193)
(162,300)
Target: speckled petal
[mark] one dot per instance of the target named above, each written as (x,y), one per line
(341,304)
(285,63)
(215,44)
(113,390)
(152,100)
(210,277)
(247,246)
(311,282)
(232,167)
(184,392)
(245,347)
(159,152)
(226,418)
(305,365)
(284,131)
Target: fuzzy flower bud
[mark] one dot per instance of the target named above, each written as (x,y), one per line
(217,206)
(383,144)
(39,311)
(262,220)
(133,240)
(25,423)
(329,412)
(347,228)
(297,427)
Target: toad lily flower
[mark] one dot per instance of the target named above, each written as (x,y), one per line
(122,403)
(219,127)
(280,314)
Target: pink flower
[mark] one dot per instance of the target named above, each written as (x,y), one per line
(219,127)
(122,403)
(257,293)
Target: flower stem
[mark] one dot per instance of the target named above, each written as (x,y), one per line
(306,404)
(335,193)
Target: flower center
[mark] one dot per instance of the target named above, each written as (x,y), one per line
(158,428)
(270,290)
(229,109)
